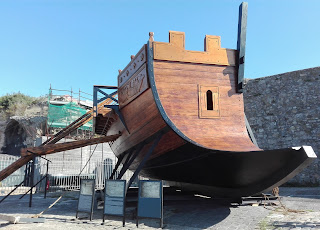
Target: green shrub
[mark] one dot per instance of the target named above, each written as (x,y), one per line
(15,104)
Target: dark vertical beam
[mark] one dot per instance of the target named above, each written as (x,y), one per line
(31,181)
(241,43)
(116,109)
(95,108)
(128,163)
(145,158)
(125,165)
(116,167)
(161,219)
(25,180)
(33,187)
(95,101)
(46,184)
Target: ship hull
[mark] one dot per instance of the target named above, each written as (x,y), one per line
(230,174)
(214,172)
(171,132)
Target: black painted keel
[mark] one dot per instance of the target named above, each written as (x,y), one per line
(228,174)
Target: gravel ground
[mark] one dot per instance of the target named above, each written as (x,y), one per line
(181,211)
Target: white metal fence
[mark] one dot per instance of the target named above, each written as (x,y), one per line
(71,181)
(63,173)
(14,179)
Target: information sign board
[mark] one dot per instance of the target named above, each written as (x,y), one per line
(114,200)
(150,202)
(86,197)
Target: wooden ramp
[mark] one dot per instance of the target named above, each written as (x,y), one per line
(50,146)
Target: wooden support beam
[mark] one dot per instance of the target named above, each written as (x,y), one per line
(18,219)
(69,129)
(27,154)
(61,132)
(58,136)
(49,149)
(76,124)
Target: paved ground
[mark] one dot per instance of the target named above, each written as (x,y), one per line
(303,206)
(181,211)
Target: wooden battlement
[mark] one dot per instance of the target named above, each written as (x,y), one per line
(212,54)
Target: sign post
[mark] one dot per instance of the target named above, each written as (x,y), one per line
(150,201)
(86,197)
(114,200)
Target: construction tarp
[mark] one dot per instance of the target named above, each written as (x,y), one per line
(61,115)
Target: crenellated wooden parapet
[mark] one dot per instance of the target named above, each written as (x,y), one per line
(134,66)
(132,80)
(212,54)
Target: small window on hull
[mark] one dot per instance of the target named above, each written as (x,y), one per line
(209,100)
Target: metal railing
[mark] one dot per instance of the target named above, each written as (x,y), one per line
(8,184)
(71,95)
(63,174)
(17,176)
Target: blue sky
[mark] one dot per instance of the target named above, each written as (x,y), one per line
(79,43)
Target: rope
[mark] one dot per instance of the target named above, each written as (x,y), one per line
(275,192)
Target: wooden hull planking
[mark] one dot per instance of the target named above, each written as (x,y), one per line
(204,146)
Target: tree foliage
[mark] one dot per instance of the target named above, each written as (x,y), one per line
(15,104)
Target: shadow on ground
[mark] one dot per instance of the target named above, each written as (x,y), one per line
(13,205)
(179,211)
(206,212)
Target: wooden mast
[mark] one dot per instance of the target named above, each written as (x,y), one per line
(241,43)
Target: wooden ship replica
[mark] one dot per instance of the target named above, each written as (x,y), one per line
(178,115)
(181,117)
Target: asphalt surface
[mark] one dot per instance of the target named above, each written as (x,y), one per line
(299,209)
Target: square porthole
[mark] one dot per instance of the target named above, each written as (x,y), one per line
(209,101)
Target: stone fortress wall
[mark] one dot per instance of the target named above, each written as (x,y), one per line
(284,111)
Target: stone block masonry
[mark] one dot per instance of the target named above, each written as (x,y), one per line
(284,111)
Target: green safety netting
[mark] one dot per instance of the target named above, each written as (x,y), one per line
(60,116)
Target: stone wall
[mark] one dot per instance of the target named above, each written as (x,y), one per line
(21,132)
(3,125)
(32,122)
(284,111)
